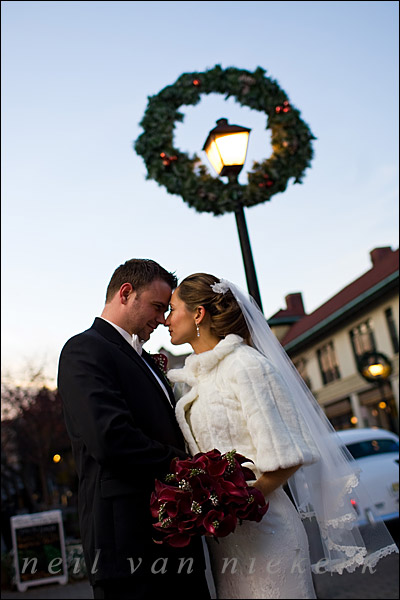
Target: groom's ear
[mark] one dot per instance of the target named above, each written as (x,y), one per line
(125,291)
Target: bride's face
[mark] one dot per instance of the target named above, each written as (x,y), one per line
(180,322)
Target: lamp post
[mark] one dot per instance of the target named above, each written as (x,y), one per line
(375,367)
(226,149)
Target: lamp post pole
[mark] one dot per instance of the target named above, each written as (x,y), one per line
(249,267)
(247,255)
(226,148)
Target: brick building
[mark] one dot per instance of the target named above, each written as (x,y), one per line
(326,345)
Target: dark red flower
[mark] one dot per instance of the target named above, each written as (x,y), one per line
(216,468)
(160,359)
(255,507)
(218,524)
(205,495)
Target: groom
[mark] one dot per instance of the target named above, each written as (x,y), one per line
(119,413)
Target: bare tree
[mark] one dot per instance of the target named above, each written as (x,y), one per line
(32,432)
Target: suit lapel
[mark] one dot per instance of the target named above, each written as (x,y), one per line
(155,367)
(110,333)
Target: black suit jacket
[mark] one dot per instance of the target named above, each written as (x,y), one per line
(124,435)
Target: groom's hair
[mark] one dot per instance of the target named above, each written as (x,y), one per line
(139,272)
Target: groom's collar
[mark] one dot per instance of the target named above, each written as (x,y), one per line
(133,340)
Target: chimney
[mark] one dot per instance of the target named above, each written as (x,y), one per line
(294,304)
(379,254)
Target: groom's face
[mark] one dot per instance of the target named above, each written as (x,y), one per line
(148,308)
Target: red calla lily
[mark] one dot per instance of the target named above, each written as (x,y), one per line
(205,495)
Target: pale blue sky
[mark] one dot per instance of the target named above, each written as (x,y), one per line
(75,202)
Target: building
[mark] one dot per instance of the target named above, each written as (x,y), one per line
(326,345)
(175,361)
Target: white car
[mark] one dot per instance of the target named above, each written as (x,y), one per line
(376,452)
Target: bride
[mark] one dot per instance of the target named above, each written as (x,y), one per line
(239,390)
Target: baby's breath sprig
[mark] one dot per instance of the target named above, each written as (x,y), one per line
(161,511)
(230,456)
(196,508)
(166,523)
(185,486)
(214,499)
(194,472)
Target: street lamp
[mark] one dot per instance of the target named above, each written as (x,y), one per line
(375,367)
(226,149)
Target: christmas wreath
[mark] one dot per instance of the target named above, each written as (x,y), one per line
(187,177)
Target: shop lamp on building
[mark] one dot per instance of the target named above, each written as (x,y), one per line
(376,368)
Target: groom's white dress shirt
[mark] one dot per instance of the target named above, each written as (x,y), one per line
(136,344)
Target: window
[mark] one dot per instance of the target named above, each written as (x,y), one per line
(362,338)
(301,366)
(328,363)
(372,447)
(392,329)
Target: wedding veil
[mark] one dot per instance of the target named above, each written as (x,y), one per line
(325,491)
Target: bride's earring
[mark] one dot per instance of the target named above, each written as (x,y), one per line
(197,330)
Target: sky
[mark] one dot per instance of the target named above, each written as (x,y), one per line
(76,77)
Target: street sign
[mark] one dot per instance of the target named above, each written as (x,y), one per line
(39,549)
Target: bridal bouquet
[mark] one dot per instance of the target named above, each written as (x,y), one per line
(205,495)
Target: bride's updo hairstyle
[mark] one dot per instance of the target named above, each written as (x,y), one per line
(226,316)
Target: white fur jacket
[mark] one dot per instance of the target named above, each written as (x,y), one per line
(235,399)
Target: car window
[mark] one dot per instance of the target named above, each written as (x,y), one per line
(372,447)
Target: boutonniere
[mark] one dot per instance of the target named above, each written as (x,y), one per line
(161,361)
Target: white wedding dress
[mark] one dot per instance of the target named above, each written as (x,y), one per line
(233,398)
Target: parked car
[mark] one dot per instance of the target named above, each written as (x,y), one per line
(377,454)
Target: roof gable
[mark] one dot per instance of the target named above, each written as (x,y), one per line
(385,264)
